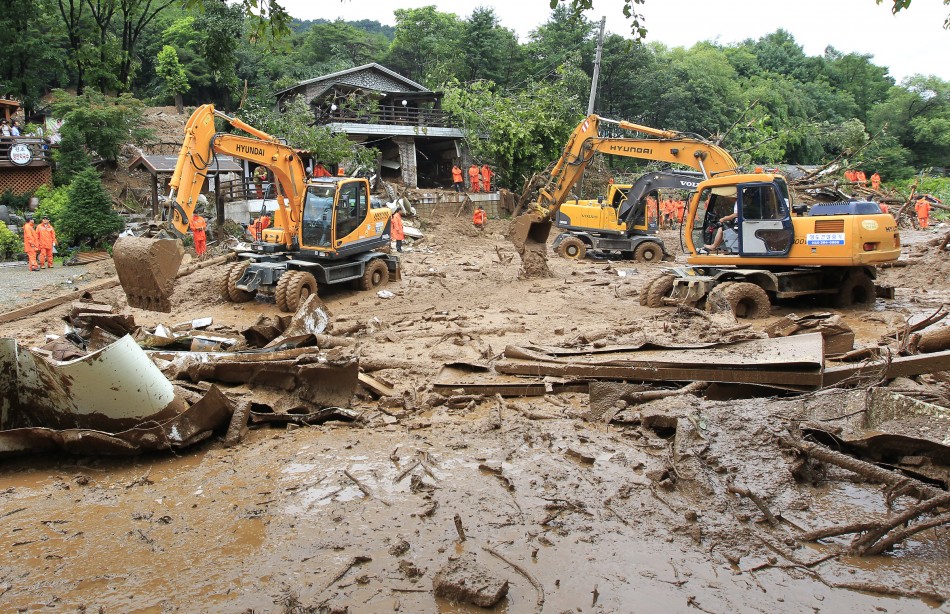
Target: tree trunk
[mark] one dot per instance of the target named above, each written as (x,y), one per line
(179,104)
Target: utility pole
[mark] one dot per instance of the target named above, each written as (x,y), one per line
(593,83)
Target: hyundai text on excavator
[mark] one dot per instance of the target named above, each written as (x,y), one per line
(622,223)
(776,250)
(325,231)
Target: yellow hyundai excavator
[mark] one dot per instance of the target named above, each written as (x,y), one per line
(772,249)
(325,231)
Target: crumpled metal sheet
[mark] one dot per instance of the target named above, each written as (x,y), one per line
(112,389)
(113,401)
(894,429)
(191,426)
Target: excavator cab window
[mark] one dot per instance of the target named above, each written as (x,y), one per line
(318,216)
(766,228)
(351,208)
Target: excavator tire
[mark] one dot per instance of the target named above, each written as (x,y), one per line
(648,252)
(299,289)
(375,275)
(745,300)
(645,291)
(572,248)
(280,292)
(233,275)
(856,289)
(661,288)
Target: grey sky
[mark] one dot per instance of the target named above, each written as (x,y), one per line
(913,41)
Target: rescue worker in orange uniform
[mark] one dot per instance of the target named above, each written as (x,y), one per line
(261,224)
(320,170)
(849,175)
(339,171)
(486,177)
(922,207)
(45,240)
(651,212)
(397,232)
(678,207)
(875,182)
(30,243)
(457,181)
(884,208)
(474,178)
(861,178)
(198,227)
(479,218)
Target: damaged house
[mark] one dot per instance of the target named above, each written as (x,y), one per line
(373,105)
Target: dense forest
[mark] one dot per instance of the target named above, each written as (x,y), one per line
(765,99)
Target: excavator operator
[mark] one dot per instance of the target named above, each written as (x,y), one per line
(723,221)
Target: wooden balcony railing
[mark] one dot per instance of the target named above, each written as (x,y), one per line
(392,116)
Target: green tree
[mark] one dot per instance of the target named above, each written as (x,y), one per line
(329,47)
(88,218)
(917,115)
(95,126)
(526,130)
(295,124)
(172,73)
(489,51)
(854,73)
(426,45)
(33,58)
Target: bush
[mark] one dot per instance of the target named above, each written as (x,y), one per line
(10,243)
(52,202)
(15,202)
(87,217)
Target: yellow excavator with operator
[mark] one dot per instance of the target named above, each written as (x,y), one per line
(775,250)
(326,230)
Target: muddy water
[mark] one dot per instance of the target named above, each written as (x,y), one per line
(276,520)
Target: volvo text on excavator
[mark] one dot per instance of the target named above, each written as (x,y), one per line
(775,250)
(326,230)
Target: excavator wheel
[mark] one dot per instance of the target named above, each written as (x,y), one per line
(745,300)
(299,289)
(229,290)
(645,290)
(280,292)
(648,252)
(376,275)
(572,248)
(856,289)
(659,289)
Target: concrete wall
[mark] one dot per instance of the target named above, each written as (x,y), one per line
(428,203)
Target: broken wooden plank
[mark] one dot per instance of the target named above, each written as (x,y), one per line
(376,386)
(902,366)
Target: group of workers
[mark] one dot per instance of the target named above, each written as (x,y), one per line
(479,179)
(38,242)
(858,177)
(671,212)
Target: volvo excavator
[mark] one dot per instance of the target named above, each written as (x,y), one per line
(774,250)
(326,230)
(622,223)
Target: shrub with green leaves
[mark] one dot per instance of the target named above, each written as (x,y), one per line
(14,202)
(10,243)
(52,202)
(87,217)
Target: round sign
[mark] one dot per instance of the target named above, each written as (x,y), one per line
(869,225)
(21,154)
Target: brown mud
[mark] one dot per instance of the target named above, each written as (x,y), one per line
(575,515)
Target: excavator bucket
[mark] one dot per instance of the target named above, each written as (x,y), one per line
(147,269)
(529,234)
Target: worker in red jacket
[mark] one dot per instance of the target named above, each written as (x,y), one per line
(397,232)
(922,208)
(320,170)
(474,178)
(198,228)
(875,181)
(45,240)
(30,244)
(480,218)
(486,177)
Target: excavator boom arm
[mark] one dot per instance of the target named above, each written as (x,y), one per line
(667,146)
(196,159)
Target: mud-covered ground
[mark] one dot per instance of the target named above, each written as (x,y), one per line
(574,514)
